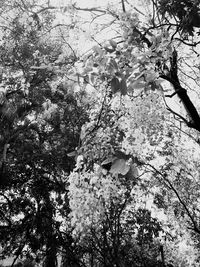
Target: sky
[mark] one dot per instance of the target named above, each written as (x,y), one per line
(87,29)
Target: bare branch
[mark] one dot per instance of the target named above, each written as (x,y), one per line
(175,113)
(92,9)
(170,186)
(186,43)
(123,6)
(139,11)
(46,8)
(191,110)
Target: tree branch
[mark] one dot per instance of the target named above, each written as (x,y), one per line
(169,184)
(176,114)
(123,6)
(143,37)
(92,9)
(172,77)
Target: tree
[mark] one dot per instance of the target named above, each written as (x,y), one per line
(185,13)
(40,123)
(124,112)
(137,77)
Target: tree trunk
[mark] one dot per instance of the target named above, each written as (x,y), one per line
(162,255)
(51,253)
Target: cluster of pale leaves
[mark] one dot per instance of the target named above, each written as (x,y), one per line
(145,123)
(90,195)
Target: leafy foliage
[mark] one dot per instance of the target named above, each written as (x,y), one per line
(100,152)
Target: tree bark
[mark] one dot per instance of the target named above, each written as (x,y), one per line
(162,255)
(51,253)
(191,110)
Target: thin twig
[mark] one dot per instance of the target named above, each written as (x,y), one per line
(123,6)
(169,184)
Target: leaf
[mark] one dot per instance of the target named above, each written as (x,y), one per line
(138,84)
(123,87)
(92,77)
(107,163)
(115,85)
(134,170)
(108,160)
(65,9)
(86,79)
(72,154)
(97,50)
(109,50)
(135,33)
(113,64)
(120,154)
(132,174)
(42,67)
(113,43)
(2,98)
(119,166)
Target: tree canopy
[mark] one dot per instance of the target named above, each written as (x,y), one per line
(99,133)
